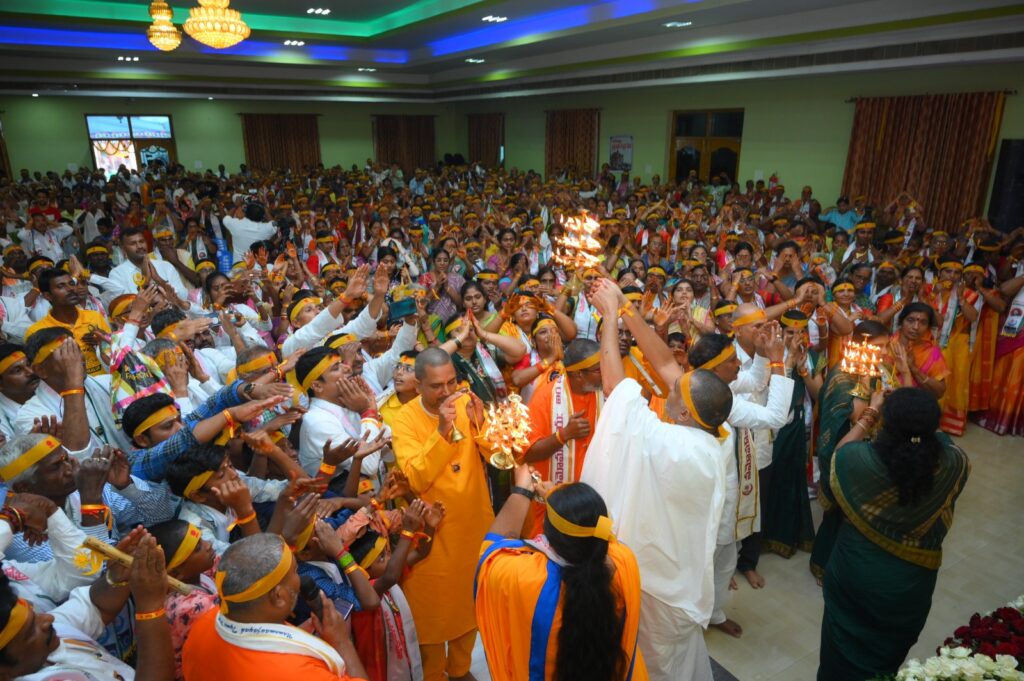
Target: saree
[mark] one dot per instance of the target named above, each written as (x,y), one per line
(835,405)
(957,357)
(1005,413)
(881,575)
(787,525)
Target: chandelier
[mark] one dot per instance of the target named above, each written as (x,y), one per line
(162,33)
(214,24)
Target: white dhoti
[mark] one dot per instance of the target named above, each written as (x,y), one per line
(672,643)
(725,568)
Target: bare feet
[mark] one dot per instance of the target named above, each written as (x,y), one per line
(756,580)
(729,627)
(732,584)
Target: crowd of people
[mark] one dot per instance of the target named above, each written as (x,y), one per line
(268,392)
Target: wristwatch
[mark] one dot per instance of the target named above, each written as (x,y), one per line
(248,388)
(522,490)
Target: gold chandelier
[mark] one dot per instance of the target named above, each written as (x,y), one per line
(162,33)
(214,24)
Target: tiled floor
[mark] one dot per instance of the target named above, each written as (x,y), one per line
(982,569)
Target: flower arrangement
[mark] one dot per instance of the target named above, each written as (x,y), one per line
(988,647)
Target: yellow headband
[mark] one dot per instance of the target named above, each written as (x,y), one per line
(40,263)
(408,361)
(970,268)
(750,318)
(794,323)
(487,276)
(724,310)
(585,363)
(894,240)
(168,331)
(727,353)
(373,553)
(951,265)
(10,360)
(325,240)
(317,371)
(846,286)
(162,233)
(121,306)
(602,530)
(303,538)
(343,339)
(657,270)
(531,282)
(158,416)
(267,361)
(634,296)
(258,588)
(684,391)
(34,455)
(15,622)
(886,265)
(542,324)
(302,305)
(203,266)
(186,547)
(93,250)
(47,350)
(196,483)
(452,325)
(13,247)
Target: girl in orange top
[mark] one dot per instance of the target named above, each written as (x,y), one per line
(566,605)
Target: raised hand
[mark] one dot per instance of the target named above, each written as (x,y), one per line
(358,282)
(247,411)
(413,516)
(446,413)
(299,517)
(396,485)
(352,396)
(334,455)
(48,425)
(147,576)
(434,514)
(92,475)
(235,495)
(120,475)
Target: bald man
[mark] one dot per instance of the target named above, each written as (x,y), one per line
(664,484)
(258,585)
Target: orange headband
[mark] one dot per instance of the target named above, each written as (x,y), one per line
(750,318)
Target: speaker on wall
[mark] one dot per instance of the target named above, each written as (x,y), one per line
(1006,206)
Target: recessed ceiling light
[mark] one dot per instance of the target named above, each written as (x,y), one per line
(678,24)
(475,61)
(35,94)
(366,69)
(135,58)
(120,58)
(318,10)
(210,98)
(494,19)
(295,43)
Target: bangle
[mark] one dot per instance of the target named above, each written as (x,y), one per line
(424,536)
(375,504)
(327,469)
(246,519)
(231,423)
(522,491)
(352,568)
(13,518)
(345,558)
(626,310)
(776,365)
(802,371)
(558,436)
(151,615)
(72,391)
(409,534)
(370,413)
(94,509)
(116,585)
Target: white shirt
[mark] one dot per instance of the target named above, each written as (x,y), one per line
(49,582)
(46,402)
(217,362)
(323,325)
(377,370)
(15,318)
(8,416)
(124,276)
(48,244)
(664,485)
(327,421)
(244,232)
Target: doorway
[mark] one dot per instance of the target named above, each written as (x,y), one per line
(706,144)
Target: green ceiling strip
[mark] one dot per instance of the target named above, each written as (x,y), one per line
(169,77)
(300,24)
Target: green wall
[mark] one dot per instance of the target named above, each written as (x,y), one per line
(797,127)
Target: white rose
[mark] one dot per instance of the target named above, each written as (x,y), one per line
(960,652)
(1006,661)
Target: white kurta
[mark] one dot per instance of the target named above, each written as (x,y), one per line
(664,485)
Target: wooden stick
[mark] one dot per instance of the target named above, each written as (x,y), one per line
(118,556)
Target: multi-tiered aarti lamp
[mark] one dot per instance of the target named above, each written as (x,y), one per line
(508,431)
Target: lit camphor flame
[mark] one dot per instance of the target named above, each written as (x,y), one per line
(862,359)
(508,431)
(579,247)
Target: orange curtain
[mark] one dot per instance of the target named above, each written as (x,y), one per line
(570,141)
(274,141)
(486,137)
(405,140)
(938,148)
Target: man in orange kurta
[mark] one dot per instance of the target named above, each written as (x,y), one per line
(563,413)
(437,443)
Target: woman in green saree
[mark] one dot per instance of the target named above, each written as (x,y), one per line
(896,495)
(835,410)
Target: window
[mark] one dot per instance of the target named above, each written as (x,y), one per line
(130,141)
(706,144)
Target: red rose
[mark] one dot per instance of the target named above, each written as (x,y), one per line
(1007,648)
(962,632)
(988,649)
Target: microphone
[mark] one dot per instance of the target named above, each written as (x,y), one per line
(310,593)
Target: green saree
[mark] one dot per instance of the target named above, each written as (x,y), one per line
(835,405)
(882,569)
(787,526)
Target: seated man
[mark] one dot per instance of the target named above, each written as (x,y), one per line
(66,311)
(62,644)
(249,636)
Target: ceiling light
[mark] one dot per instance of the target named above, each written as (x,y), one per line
(326,12)
(214,24)
(295,43)
(35,94)
(120,58)
(366,69)
(210,98)
(135,58)
(494,19)
(678,24)
(475,61)
(318,10)
(163,34)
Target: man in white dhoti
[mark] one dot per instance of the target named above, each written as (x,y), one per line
(664,484)
(741,513)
